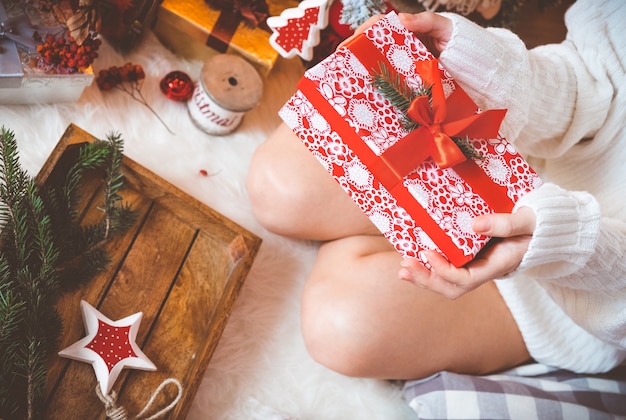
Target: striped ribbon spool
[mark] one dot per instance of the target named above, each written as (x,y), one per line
(229,87)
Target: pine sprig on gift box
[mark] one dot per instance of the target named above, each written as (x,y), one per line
(400,95)
(42,249)
(393,88)
(466,147)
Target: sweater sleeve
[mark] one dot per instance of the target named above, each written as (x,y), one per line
(577,256)
(557,95)
(553,98)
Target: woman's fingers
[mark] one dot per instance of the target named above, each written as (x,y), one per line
(504,225)
(500,258)
(413,271)
(434,30)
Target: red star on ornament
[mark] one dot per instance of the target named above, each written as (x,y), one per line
(109,346)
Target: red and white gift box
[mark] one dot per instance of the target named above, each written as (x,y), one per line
(404,181)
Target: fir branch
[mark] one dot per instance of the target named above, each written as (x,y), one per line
(43,241)
(10,306)
(41,235)
(12,177)
(13,180)
(100,154)
(36,277)
(91,156)
(114,181)
(393,88)
(32,363)
(466,147)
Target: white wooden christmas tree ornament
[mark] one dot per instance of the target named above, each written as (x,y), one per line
(297,30)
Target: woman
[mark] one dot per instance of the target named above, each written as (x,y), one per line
(553,288)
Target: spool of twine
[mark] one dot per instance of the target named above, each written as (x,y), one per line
(229,87)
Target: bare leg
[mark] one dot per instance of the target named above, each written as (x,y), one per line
(293,195)
(360,319)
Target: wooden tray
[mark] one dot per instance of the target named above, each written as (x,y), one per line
(182,265)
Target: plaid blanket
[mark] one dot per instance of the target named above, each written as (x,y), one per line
(529,392)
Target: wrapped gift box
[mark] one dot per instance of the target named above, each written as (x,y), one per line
(21,82)
(194,30)
(124,25)
(399,177)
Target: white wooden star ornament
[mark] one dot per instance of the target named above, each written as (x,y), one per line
(109,346)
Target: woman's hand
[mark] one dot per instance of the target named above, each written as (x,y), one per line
(432,29)
(500,258)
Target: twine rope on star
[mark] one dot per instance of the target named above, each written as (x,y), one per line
(115,412)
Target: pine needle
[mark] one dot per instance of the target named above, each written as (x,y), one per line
(392,87)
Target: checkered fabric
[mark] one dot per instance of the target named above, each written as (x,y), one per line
(530,392)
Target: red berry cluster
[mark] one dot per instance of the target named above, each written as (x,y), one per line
(128,79)
(114,76)
(65,55)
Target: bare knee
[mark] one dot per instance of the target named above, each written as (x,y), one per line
(293,195)
(276,190)
(335,333)
(266,191)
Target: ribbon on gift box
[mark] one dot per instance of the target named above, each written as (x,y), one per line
(13,31)
(456,115)
(253,13)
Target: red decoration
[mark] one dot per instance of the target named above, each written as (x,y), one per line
(127,78)
(437,123)
(65,56)
(115,77)
(297,30)
(109,346)
(343,30)
(335,32)
(177,86)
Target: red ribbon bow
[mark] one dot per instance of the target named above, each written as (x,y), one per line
(442,118)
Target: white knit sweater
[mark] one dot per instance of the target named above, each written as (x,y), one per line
(567,113)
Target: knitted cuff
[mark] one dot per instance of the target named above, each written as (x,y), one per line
(566,231)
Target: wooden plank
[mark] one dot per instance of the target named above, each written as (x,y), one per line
(141,284)
(68,305)
(182,265)
(192,309)
(192,211)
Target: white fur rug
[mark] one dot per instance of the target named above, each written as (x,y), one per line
(260,369)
